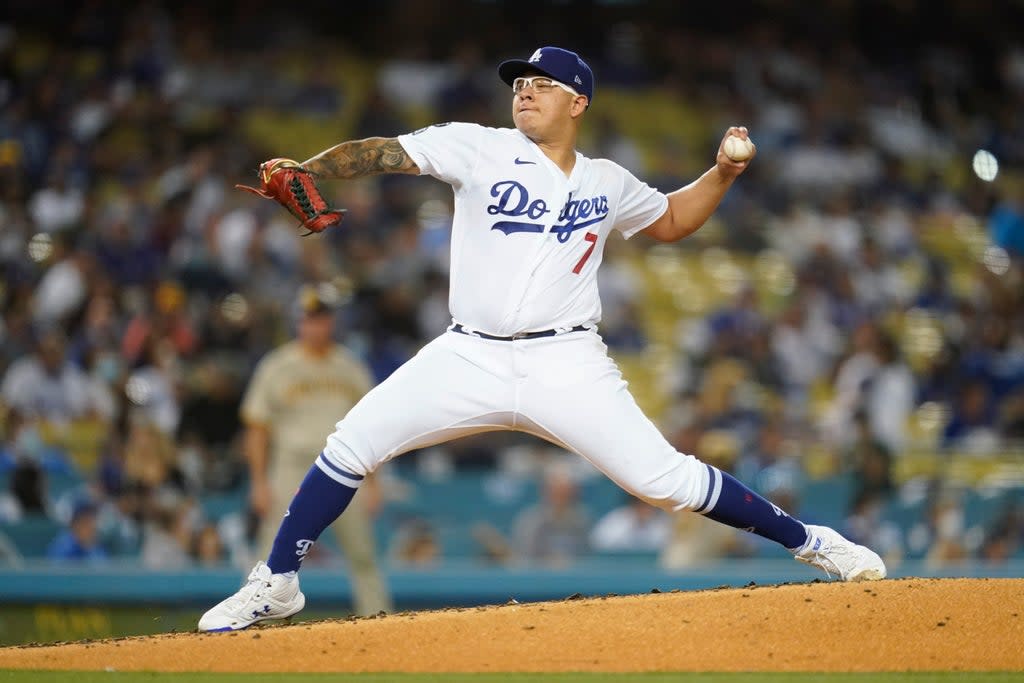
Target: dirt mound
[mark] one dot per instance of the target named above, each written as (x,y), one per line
(909,624)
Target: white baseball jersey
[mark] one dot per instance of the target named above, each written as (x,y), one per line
(527,240)
(526,246)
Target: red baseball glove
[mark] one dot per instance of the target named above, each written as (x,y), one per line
(285,181)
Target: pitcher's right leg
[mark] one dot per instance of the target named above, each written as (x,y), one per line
(455,386)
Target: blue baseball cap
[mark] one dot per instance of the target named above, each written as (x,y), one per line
(562,65)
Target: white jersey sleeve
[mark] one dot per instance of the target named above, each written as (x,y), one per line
(446,151)
(639,205)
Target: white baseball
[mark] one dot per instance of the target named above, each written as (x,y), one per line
(738,149)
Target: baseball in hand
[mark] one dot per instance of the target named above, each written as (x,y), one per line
(738,149)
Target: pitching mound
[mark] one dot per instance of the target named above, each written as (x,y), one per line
(910,624)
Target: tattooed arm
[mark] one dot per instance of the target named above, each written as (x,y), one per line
(360,158)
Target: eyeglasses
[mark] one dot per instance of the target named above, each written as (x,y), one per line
(540,84)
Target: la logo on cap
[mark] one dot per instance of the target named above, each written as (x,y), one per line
(535,57)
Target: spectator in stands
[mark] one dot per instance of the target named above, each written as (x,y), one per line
(722,402)
(946,525)
(734,326)
(106,387)
(207,546)
(24,443)
(853,375)
(866,522)
(119,520)
(1011,420)
(59,205)
(554,531)
(668,168)
(1006,223)
(465,95)
(495,548)
(972,427)
(622,315)
(151,462)
(765,372)
(17,339)
(870,461)
(26,496)
(889,395)
(100,329)
(416,544)
(771,465)
(45,385)
(878,282)
(935,292)
(153,386)
(210,426)
(166,327)
(800,350)
(65,285)
(625,332)
(167,536)
(124,253)
(634,526)
(1005,538)
(379,117)
(80,541)
(994,352)
(614,145)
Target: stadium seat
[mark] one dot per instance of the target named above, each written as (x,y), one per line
(217,505)
(827,501)
(32,535)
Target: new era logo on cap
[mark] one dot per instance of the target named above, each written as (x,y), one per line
(562,65)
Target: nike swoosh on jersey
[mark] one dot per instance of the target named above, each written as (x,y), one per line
(520,162)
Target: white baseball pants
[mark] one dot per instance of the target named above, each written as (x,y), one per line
(564,389)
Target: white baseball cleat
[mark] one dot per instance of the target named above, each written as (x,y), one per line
(837,556)
(265,595)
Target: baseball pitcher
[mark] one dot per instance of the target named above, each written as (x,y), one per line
(523,353)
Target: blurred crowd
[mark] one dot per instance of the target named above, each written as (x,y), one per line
(139,288)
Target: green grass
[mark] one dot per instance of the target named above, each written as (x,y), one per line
(8,676)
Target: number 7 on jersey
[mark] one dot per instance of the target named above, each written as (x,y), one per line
(592,238)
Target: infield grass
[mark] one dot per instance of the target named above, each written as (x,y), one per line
(10,676)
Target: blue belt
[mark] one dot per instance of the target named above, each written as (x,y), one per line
(525,335)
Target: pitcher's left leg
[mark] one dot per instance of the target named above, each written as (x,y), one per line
(576,396)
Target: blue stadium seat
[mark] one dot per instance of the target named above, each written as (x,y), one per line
(826,501)
(981,508)
(60,483)
(601,495)
(32,535)
(466,498)
(904,514)
(217,505)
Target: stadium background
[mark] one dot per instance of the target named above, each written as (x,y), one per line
(847,333)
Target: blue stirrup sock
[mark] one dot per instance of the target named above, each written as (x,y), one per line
(322,497)
(730,502)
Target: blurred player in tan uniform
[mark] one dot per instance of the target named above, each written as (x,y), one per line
(297,393)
